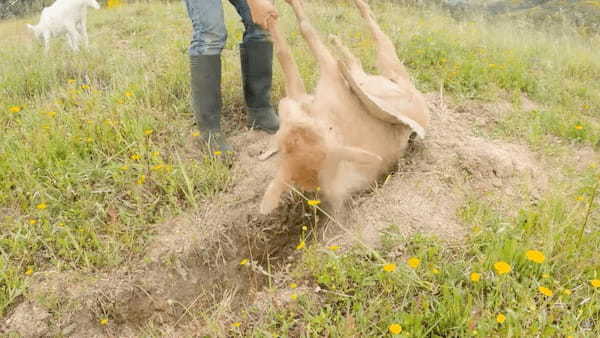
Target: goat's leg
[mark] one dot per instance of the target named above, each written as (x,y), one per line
(326,60)
(294,85)
(387,60)
(74,37)
(277,187)
(83,31)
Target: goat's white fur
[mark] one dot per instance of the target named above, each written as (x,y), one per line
(64,17)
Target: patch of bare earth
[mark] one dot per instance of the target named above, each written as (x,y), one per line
(190,281)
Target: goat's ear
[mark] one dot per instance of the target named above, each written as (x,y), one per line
(354,154)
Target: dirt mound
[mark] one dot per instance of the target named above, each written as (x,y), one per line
(192,272)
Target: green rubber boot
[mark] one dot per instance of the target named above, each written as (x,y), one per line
(257,74)
(206,100)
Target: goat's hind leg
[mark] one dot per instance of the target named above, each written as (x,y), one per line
(326,60)
(387,60)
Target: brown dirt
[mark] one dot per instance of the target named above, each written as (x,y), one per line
(191,271)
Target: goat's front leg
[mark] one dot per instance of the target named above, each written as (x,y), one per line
(387,60)
(74,37)
(277,187)
(82,28)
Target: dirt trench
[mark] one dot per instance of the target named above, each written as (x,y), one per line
(192,266)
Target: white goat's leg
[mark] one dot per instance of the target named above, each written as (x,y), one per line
(294,86)
(387,60)
(277,187)
(326,60)
(74,36)
(83,31)
(46,38)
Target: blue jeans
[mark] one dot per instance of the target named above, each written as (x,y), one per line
(208,23)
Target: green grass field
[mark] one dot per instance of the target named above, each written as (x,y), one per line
(98,147)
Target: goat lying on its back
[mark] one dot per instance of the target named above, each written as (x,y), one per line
(64,16)
(354,127)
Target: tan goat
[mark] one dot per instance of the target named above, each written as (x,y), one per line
(353,128)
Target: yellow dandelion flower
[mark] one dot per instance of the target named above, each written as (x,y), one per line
(135,157)
(435,271)
(218,153)
(104,321)
(41,206)
(595,283)
(113,3)
(545,291)
(580,198)
(304,228)
(293,285)
(125,167)
(413,262)
(157,167)
(313,203)
(300,245)
(15,109)
(294,296)
(71,81)
(148,132)
(89,140)
(155,153)
(500,318)
(535,256)
(45,126)
(545,275)
(84,86)
(395,328)
(128,94)
(51,113)
(475,277)
(390,267)
(579,127)
(244,261)
(334,247)
(502,267)
(120,101)
(236,324)
(29,272)
(492,65)
(32,221)
(196,134)
(567,292)
(141,180)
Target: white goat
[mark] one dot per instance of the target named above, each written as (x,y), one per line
(64,17)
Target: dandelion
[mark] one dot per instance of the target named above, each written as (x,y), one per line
(125,167)
(128,94)
(41,206)
(15,109)
(475,277)
(545,291)
(304,228)
(579,127)
(244,261)
(135,157)
(120,101)
(89,140)
(32,221)
(390,267)
(502,267)
(141,180)
(545,275)
(29,272)
(236,324)
(300,245)
(293,285)
(157,167)
(313,203)
(156,153)
(51,113)
(218,153)
(580,198)
(84,86)
(113,3)
(500,318)
(535,256)
(104,321)
(395,328)
(492,65)
(148,132)
(196,134)
(567,292)
(71,81)
(413,262)
(294,296)
(435,271)
(334,247)
(595,283)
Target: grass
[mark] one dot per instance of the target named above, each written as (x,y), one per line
(95,151)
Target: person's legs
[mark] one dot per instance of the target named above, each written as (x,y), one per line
(256,53)
(208,40)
